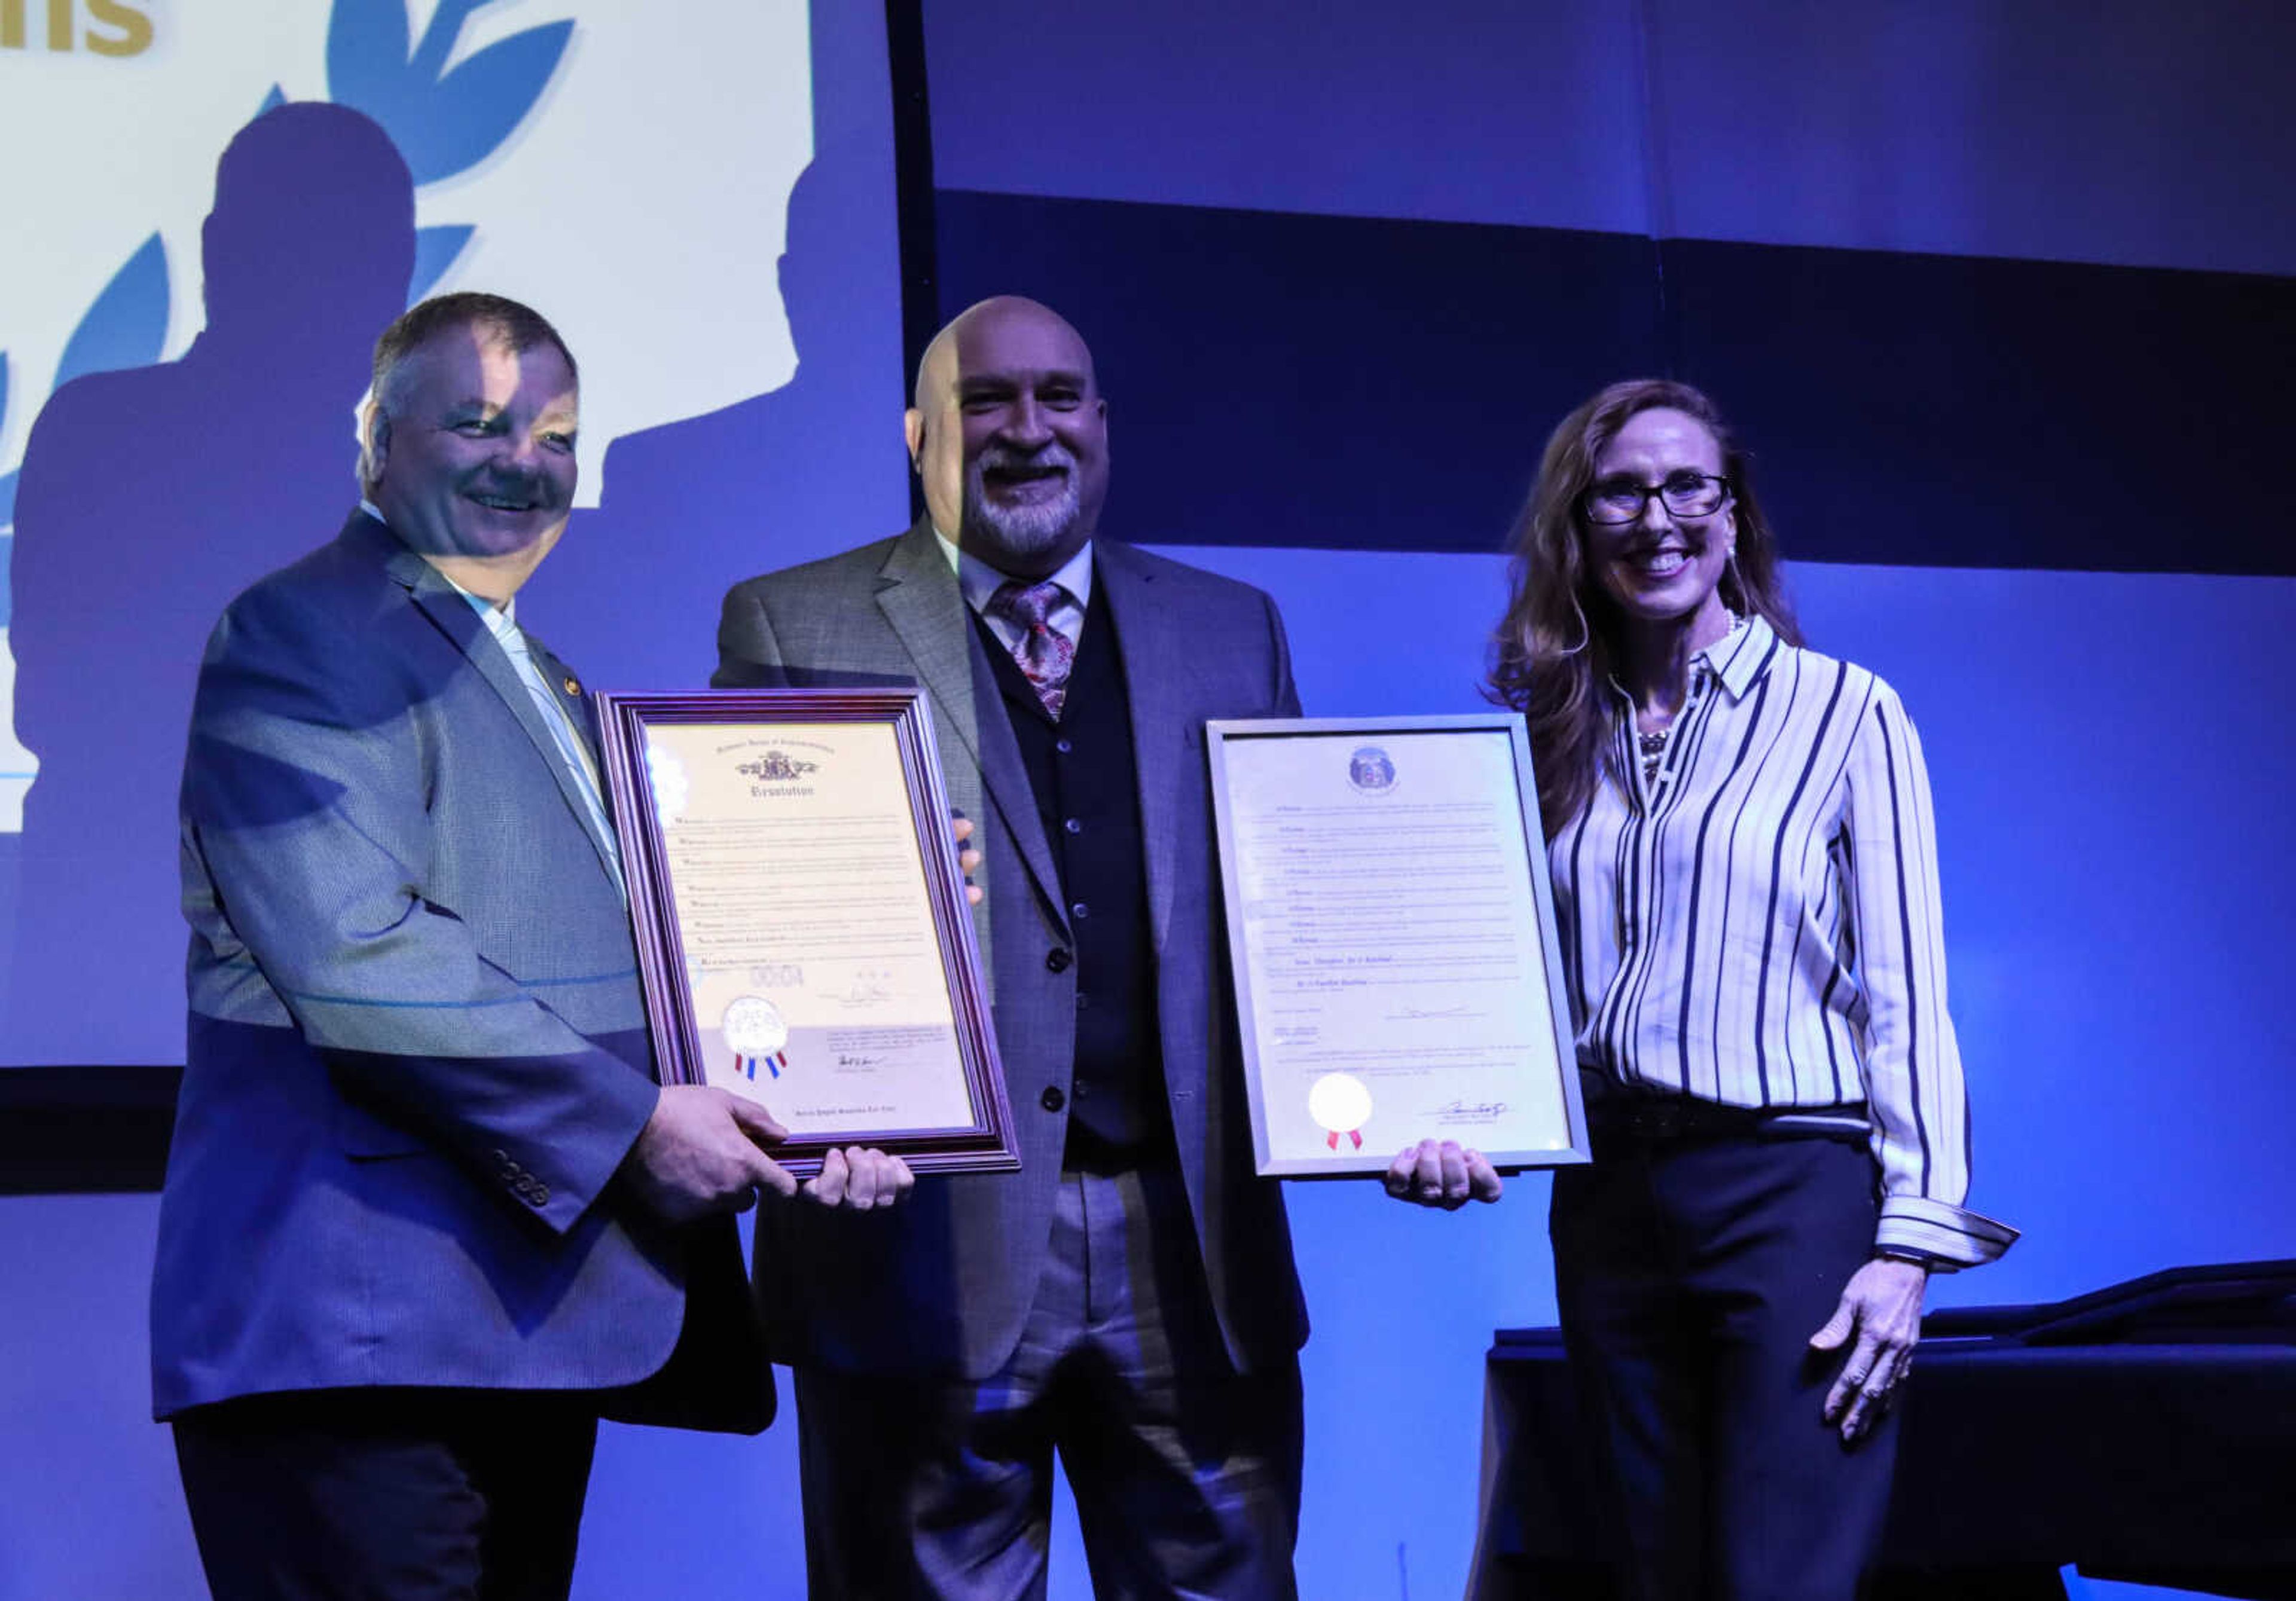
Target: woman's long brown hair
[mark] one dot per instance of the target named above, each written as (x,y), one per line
(1556,649)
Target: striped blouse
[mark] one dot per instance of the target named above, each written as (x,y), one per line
(1759,924)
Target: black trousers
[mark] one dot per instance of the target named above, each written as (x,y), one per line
(388,1495)
(1690,1274)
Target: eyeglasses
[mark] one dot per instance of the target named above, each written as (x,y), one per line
(1685,494)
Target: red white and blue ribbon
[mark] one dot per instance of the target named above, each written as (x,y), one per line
(757,1035)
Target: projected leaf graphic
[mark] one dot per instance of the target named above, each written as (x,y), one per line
(435,250)
(443,122)
(363,38)
(128,325)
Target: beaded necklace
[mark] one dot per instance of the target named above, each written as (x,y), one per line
(1652,746)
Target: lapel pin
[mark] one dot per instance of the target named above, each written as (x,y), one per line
(572,686)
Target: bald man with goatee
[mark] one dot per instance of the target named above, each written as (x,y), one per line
(1127,1298)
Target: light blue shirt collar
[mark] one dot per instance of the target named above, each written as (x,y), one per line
(979,580)
(502,619)
(557,717)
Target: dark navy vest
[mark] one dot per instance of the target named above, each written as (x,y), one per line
(1087,785)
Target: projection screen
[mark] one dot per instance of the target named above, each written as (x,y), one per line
(702,197)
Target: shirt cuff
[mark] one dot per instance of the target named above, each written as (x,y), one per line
(1948,1237)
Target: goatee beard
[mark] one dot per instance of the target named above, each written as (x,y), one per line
(1023,530)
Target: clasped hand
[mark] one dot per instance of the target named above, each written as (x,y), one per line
(1442,1173)
(703,1152)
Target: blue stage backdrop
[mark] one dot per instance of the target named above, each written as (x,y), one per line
(1998,294)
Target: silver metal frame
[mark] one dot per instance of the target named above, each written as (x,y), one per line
(1531,840)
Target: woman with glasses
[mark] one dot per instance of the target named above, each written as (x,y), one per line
(1745,879)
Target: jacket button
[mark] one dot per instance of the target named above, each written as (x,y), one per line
(1052,1100)
(1058,958)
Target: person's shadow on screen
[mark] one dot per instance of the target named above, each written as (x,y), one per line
(150,498)
(692,508)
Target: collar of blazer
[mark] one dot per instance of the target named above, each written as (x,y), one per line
(455,617)
(921,600)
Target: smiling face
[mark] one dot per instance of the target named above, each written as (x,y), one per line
(1663,569)
(1010,436)
(472,451)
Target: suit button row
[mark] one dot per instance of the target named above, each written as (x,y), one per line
(520,1183)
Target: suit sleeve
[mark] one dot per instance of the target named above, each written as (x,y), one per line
(305,803)
(1286,699)
(749,656)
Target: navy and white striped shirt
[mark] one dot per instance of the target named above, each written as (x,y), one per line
(1759,924)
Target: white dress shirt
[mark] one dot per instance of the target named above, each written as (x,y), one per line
(1757,926)
(979,582)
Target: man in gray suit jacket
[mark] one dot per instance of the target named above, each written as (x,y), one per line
(1128,1296)
(427,1211)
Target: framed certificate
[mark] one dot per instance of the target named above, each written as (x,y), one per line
(803,938)
(1393,941)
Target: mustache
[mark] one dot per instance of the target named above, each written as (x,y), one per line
(511,486)
(1003,457)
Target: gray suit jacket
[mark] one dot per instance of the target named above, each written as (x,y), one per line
(416,1053)
(943,1285)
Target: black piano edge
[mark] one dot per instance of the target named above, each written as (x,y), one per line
(2215,1303)
(86,1130)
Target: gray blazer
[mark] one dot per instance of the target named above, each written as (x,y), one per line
(943,1285)
(416,1053)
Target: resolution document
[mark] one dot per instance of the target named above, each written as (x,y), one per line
(1393,943)
(803,920)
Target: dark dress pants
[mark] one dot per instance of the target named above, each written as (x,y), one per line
(1186,1472)
(1691,1275)
(388,1495)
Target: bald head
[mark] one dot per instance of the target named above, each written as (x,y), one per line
(938,368)
(1009,433)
